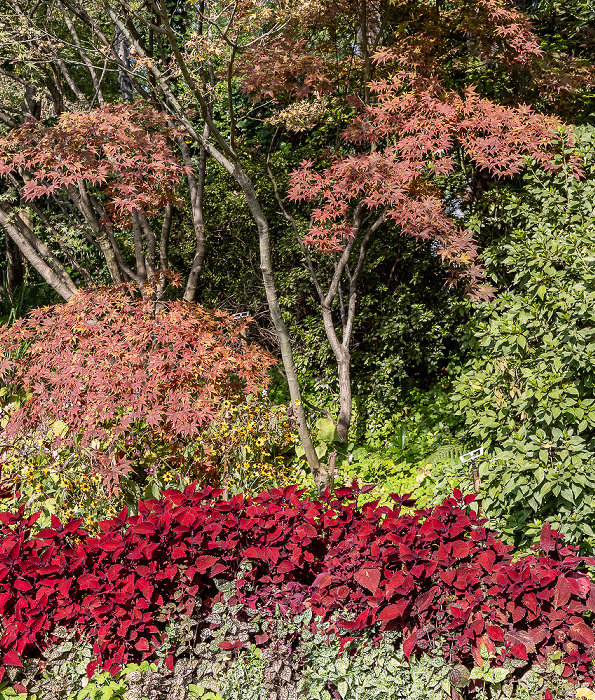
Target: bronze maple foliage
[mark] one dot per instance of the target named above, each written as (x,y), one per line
(115,372)
(125,149)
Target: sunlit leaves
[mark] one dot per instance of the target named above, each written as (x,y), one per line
(107,364)
(527,391)
(123,149)
(364,568)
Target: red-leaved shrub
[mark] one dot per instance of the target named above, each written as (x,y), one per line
(122,377)
(434,574)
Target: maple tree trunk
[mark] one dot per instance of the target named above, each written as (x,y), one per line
(344,372)
(110,257)
(15,271)
(151,245)
(138,249)
(343,359)
(164,240)
(123,52)
(85,206)
(197,188)
(341,347)
(322,476)
(37,253)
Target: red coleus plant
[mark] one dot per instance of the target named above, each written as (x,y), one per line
(435,574)
(115,372)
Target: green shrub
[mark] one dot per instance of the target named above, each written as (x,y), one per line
(528,390)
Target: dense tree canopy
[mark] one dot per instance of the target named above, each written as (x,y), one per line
(354,121)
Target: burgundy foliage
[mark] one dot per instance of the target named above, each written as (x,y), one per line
(432,574)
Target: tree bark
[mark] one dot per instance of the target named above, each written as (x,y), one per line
(123,51)
(164,239)
(151,245)
(141,270)
(85,206)
(196,186)
(37,253)
(322,477)
(15,270)
(344,372)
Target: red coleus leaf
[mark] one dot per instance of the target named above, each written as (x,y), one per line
(322,580)
(204,562)
(22,585)
(218,569)
(545,541)
(425,599)
(178,552)
(487,559)
(368,578)
(520,651)
(448,577)
(562,592)
(256,553)
(583,633)
(409,644)
(11,658)
(461,549)
(285,567)
(394,611)
(142,645)
(513,637)
(230,645)
(496,634)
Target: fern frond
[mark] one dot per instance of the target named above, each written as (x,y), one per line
(445,453)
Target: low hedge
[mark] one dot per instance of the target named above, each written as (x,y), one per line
(436,577)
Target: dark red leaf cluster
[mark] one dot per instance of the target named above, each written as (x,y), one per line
(434,574)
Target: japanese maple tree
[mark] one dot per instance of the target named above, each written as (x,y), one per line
(404,71)
(117,166)
(404,144)
(121,377)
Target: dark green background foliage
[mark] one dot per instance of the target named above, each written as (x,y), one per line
(408,324)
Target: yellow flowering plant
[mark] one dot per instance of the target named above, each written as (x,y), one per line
(254,446)
(55,483)
(250,449)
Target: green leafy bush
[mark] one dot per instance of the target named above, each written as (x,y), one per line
(400,454)
(528,391)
